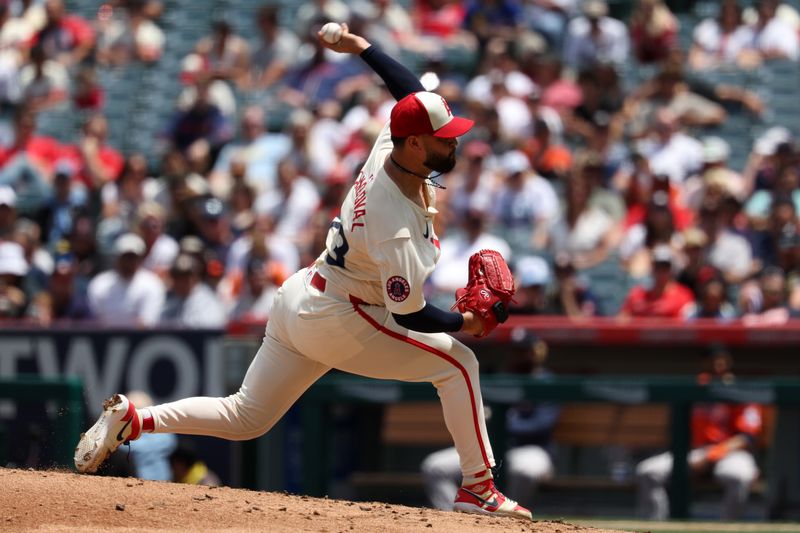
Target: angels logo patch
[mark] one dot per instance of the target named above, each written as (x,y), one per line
(397,288)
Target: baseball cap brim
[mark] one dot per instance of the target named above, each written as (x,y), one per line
(457,127)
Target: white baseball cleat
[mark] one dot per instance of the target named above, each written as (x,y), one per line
(118,423)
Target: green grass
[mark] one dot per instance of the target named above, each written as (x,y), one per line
(690,527)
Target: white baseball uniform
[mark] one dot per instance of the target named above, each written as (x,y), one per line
(338,314)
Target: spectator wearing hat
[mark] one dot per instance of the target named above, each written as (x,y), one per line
(127,294)
(13,268)
(595,38)
(214,227)
(533,279)
(65,297)
(665,298)
(255,299)
(715,174)
(190,302)
(772,152)
(526,205)
(774,243)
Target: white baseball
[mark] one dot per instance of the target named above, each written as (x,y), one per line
(331,32)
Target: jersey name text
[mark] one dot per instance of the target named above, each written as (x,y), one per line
(360,200)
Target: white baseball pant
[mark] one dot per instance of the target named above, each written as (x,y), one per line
(735,472)
(310,332)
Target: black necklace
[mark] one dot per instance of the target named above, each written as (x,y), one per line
(428,179)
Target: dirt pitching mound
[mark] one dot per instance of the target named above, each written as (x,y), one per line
(63,501)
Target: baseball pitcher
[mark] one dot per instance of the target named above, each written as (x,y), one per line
(360,307)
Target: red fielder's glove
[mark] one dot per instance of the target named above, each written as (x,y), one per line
(489,290)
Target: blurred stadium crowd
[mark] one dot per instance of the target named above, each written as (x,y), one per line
(634,158)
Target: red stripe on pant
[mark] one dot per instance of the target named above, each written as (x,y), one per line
(434,351)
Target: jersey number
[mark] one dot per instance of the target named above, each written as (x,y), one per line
(336,244)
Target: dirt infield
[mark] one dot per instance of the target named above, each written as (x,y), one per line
(62,501)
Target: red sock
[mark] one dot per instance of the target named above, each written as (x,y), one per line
(147,422)
(477,479)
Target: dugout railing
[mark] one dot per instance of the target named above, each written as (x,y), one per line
(66,395)
(501,391)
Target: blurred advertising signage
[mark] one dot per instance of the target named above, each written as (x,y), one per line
(166,364)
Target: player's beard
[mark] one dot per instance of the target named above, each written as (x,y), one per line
(440,163)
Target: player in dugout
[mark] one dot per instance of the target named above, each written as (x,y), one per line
(723,437)
(360,307)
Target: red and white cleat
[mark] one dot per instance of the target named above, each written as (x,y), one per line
(119,423)
(484,498)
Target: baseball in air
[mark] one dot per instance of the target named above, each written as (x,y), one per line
(331,32)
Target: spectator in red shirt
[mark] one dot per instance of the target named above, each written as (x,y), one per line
(98,163)
(666,298)
(723,436)
(40,152)
(65,38)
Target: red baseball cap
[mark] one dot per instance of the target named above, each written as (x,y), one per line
(425,113)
